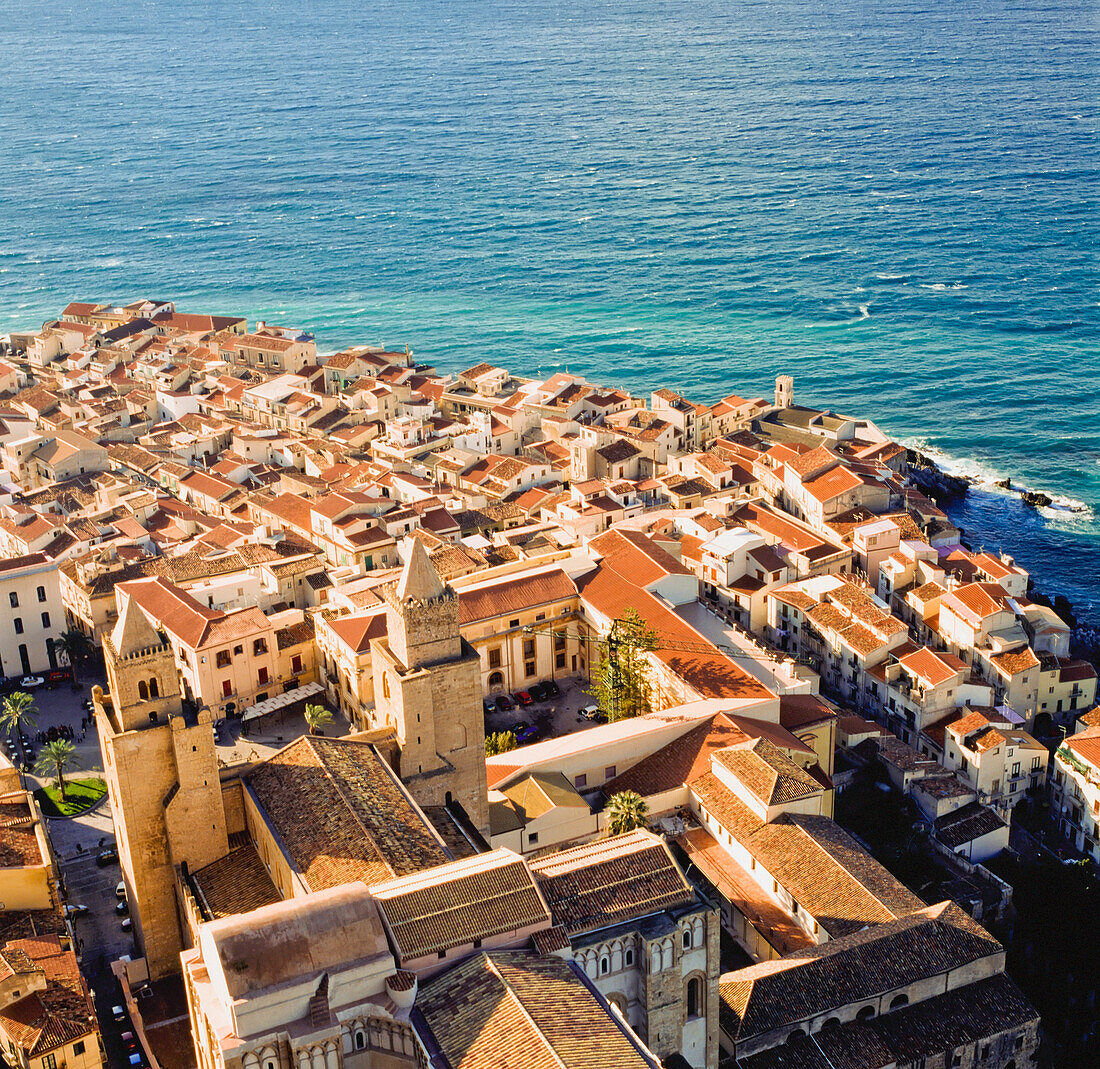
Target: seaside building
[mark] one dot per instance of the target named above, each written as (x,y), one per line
(232,515)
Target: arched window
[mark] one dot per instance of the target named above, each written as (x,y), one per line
(796,1034)
(866,1013)
(687,938)
(385,686)
(154,688)
(143,690)
(898,1001)
(605,965)
(496,679)
(628,957)
(832,1022)
(695,997)
(360,1040)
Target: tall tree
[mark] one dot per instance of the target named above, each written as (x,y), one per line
(75,647)
(626,811)
(18,712)
(621,682)
(317,716)
(500,742)
(53,760)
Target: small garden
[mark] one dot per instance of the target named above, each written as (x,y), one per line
(80,796)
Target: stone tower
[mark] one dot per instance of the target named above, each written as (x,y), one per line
(784,391)
(162,779)
(427,686)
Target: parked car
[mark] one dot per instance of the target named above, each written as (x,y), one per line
(120,889)
(122,907)
(128,924)
(538,692)
(118,1013)
(75,910)
(129,1041)
(528,733)
(105,857)
(136,1061)
(590,712)
(522,697)
(30,682)
(504,703)
(551,689)
(488,706)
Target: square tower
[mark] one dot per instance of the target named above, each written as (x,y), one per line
(162,778)
(427,685)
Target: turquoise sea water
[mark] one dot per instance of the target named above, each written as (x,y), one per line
(892,200)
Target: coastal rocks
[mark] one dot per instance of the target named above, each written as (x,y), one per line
(928,477)
(1036,499)
(1004,484)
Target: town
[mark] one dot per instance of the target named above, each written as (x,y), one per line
(463,720)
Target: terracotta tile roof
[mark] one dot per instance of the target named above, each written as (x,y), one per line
(513,594)
(62,1012)
(611,880)
(833,483)
(802,465)
(931,667)
(767,772)
(976,601)
(631,562)
(517,1010)
(236,883)
(454,905)
(18,841)
(340,813)
(739,887)
(929,942)
(1086,745)
(826,871)
(356,631)
(969,822)
(797,598)
(1014,662)
(681,761)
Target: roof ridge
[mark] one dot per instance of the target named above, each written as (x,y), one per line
(518,1003)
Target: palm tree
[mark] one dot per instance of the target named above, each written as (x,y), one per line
(75,647)
(54,758)
(317,716)
(18,711)
(626,811)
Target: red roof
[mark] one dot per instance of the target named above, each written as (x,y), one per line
(618,583)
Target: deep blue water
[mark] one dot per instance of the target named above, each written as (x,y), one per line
(895,201)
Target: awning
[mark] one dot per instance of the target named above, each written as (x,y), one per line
(282,701)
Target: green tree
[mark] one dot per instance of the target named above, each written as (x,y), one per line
(18,712)
(626,811)
(621,682)
(53,760)
(500,742)
(76,648)
(317,716)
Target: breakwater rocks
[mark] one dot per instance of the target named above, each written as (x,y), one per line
(927,475)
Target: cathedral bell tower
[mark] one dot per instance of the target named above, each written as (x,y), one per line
(427,686)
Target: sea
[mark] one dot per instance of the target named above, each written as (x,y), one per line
(894,201)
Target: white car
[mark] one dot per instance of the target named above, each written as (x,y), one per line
(75,910)
(120,889)
(590,712)
(30,682)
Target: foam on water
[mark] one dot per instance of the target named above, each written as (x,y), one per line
(700,196)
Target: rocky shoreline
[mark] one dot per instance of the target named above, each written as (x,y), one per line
(932,480)
(939,486)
